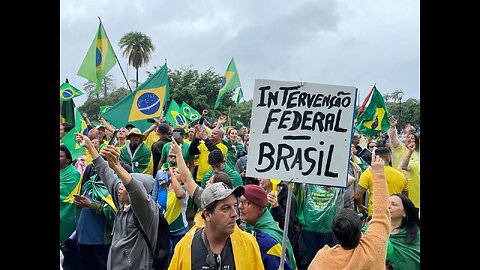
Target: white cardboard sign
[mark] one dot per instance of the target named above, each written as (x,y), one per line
(301,132)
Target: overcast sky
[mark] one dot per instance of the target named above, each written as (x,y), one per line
(344,42)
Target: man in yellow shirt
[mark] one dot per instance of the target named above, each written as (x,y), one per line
(396,182)
(202,146)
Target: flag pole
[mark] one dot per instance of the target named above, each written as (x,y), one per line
(121,69)
(229,119)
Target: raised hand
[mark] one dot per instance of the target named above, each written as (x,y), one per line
(83,140)
(378,164)
(411,146)
(175,148)
(392,121)
(111,154)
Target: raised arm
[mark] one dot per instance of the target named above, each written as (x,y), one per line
(183,169)
(220,121)
(106,174)
(392,132)
(106,124)
(87,120)
(154,126)
(406,159)
(177,188)
(380,222)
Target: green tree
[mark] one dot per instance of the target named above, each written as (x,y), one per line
(410,112)
(199,90)
(242,112)
(92,105)
(107,86)
(138,47)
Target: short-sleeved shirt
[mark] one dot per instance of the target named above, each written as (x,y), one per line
(203,166)
(396,183)
(186,155)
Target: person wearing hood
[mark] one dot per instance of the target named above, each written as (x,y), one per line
(132,198)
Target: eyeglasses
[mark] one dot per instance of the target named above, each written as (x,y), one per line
(245,203)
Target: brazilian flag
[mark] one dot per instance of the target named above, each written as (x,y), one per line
(230,81)
(145,102)
(104,109)
(189,112)
(100,59)
(67,111)
(375,117)
(174,115)
(67,92)
(80,124)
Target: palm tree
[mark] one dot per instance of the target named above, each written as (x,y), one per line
(138,47)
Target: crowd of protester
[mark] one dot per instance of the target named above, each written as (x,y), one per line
(218,218)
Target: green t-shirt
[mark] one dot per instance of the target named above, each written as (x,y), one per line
(186,155)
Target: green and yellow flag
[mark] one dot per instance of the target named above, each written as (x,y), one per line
(67,91)
(375,117)
(80,123)
(67,111)
(100,59)
(189,112)
(104,109)
(230,81)
(70,142)
(174,115)
(145,102)
(69,139)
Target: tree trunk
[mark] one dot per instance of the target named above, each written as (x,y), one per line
(137,78)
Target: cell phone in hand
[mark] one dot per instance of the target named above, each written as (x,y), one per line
(113,139)
(77,195)
(151,120)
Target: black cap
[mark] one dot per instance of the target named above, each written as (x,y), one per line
(129,126)
(164,128)
(181,130)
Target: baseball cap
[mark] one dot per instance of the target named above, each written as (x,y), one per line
(164,128)
(181,130)
(217,192)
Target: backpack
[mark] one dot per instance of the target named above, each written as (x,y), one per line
(160,253)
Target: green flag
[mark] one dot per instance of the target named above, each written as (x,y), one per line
(375,117)
(189,112)
(230,81)
(70,142)
(67,91)
(80,124)
(104,109)
(100,59)
(145,102)
(240,95)
(238,124)
(174,115)
(67,111)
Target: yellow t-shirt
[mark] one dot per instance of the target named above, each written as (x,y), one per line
(203,166)
(151,138)
(413,178)
(396,183)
